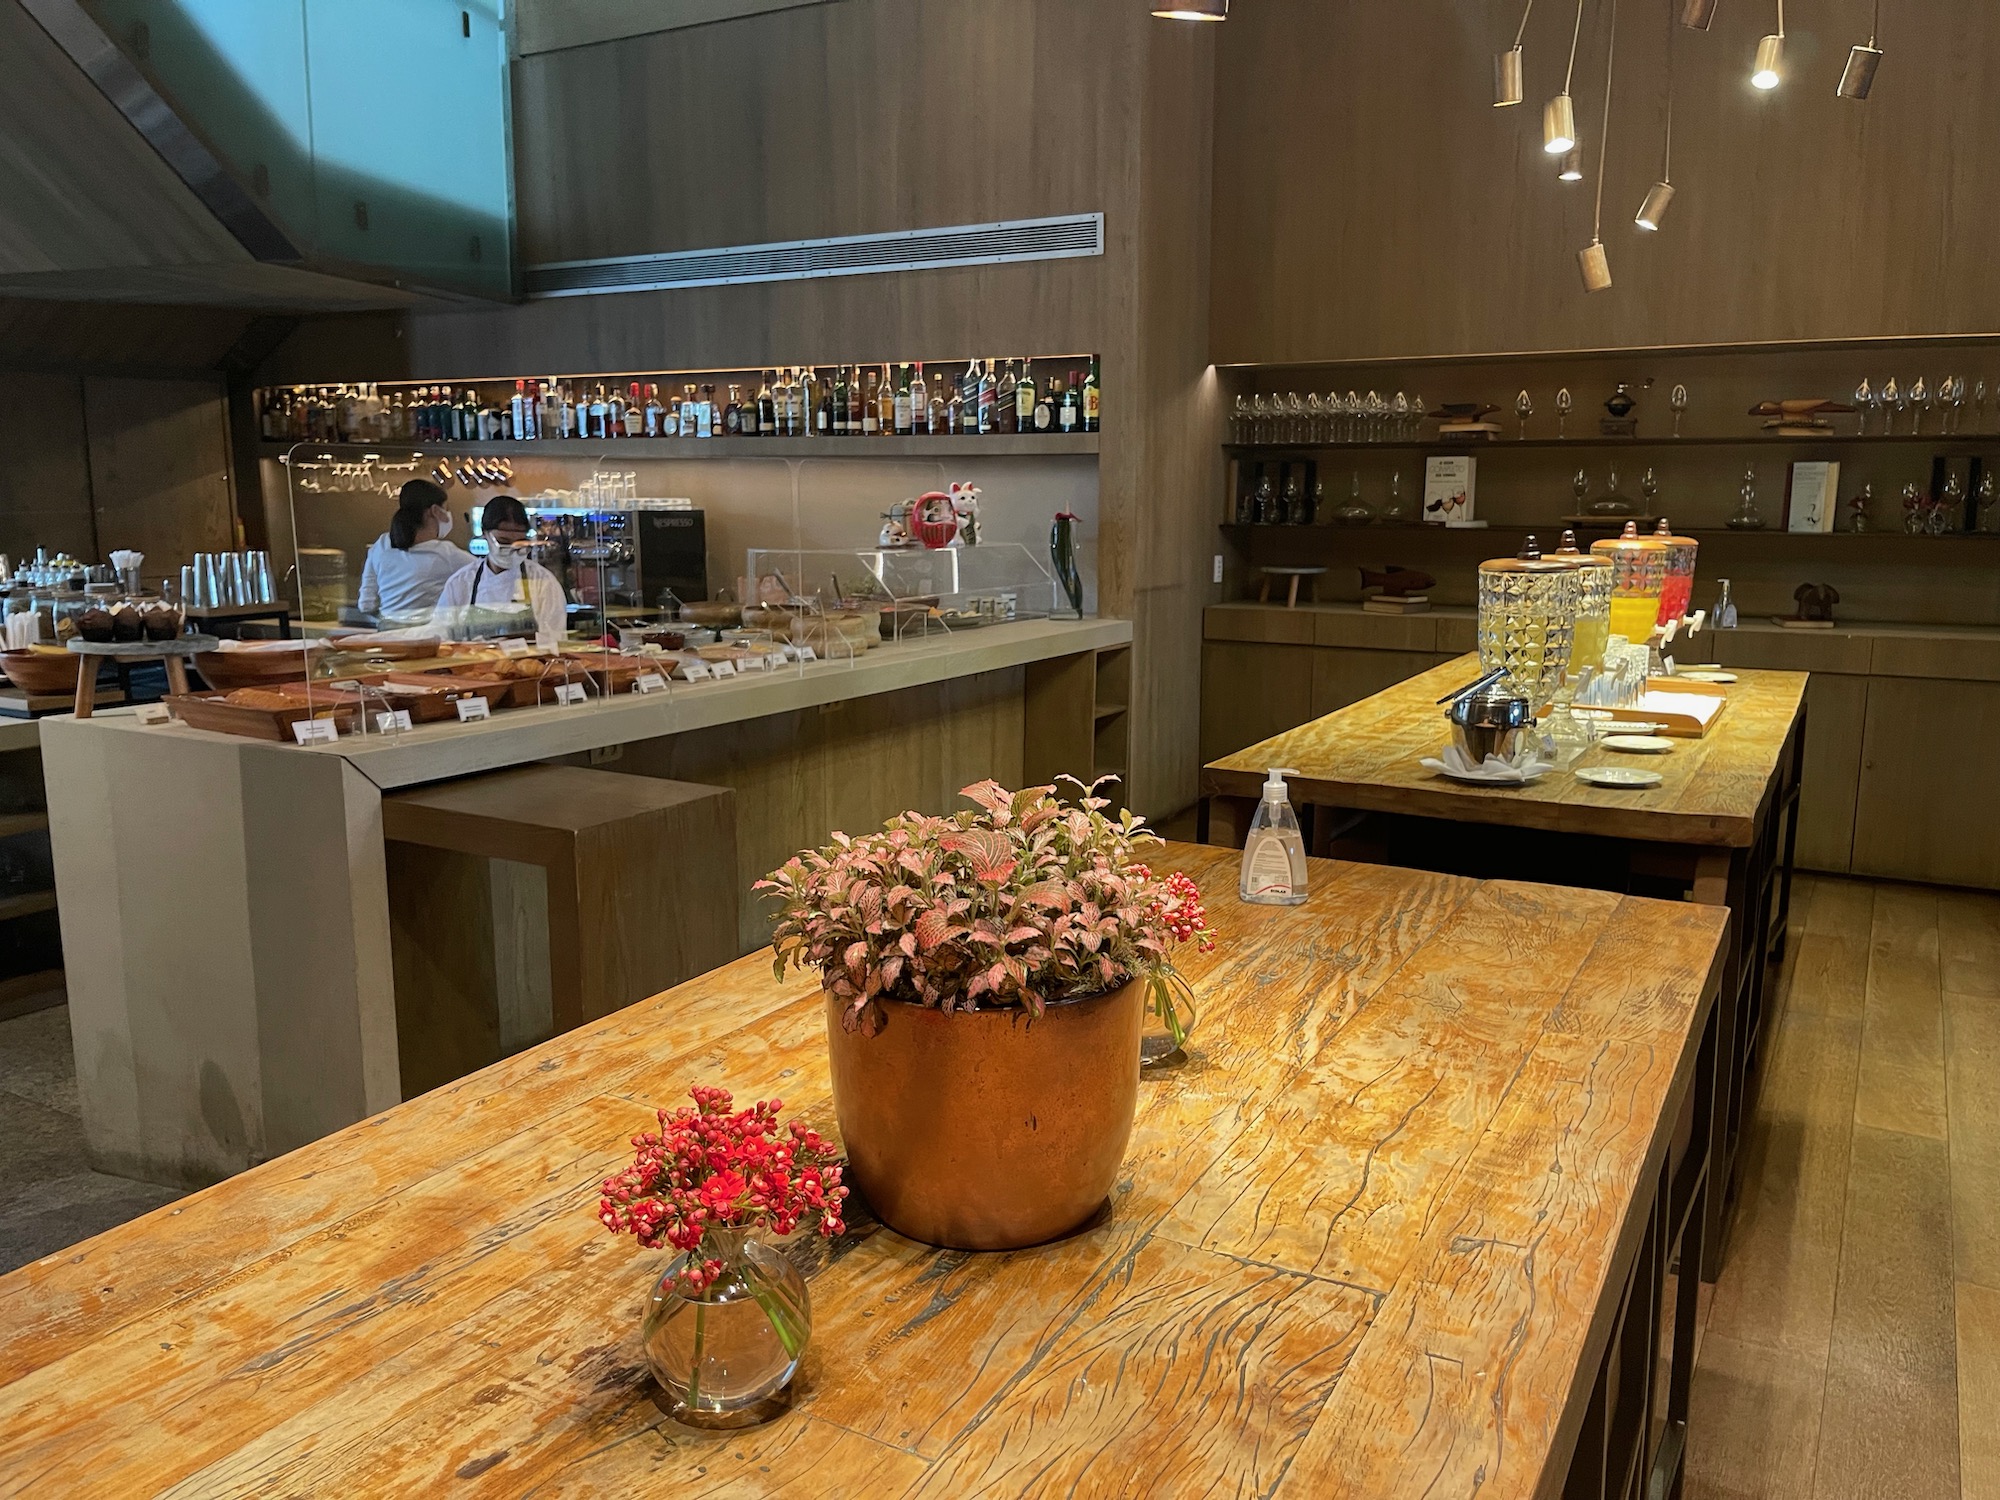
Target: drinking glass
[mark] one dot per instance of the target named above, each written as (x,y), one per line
(1239,421)
(1894,403)
(1315,419)
(1356,412)
(1419,410)
(1524,408)
(1864,395)
(1563,403)
(1678,400)
(1399,412)
(1295,418)
(1920,400)
(1260,420)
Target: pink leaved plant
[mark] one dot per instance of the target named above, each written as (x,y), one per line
(1023,901)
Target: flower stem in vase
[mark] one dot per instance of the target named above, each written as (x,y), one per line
(694,1366)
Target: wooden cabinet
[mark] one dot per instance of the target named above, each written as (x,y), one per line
(1925,809)
(1836,708)
(1251,691)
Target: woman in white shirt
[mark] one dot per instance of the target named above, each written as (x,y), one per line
(408,564)
(506,580)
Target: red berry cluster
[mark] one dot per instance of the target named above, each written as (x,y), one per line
(1179,907)
(708,1168)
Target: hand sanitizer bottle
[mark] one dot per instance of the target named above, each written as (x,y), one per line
(1274,856)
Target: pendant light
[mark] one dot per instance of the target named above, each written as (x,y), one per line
(1697,15)
(1661,194)
(1591,260)
(1765,72)
(1859,75)
(1194,10)
(1559,115)
(1507,66)
(1572,167)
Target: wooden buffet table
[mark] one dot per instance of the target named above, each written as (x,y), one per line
(1720,829)
(1400,1227)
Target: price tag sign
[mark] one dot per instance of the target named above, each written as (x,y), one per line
(346,685)
(806,653)
(393,721)
(757,663)
(649,682)
(568,693)
(154,713)
(696,671)
(515,647)
(315,731)
(471,708)
(724,669)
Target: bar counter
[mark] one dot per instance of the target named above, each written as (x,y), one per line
(225,900)
(1400,1227)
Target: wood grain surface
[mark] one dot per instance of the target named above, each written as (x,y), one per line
(1368,1242)
(1366,756)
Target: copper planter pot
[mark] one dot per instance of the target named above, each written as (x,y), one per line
(988,1130)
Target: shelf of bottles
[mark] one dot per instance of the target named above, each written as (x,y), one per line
(1050,404)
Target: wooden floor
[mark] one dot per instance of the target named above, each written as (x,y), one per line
(1852,1346)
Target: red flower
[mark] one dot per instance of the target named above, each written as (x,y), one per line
(720,1192)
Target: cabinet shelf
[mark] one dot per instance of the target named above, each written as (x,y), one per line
(27,905)
(994,445)
(1881,539)
(28,822)
(1955,440)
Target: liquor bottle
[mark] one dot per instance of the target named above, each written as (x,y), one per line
(954,412)
(399,417)
(598,412)
(987,391)
(968,398)
(940,418)
(781,400)
(885,400)
(920,402)
(517,408)
(1024,397)
(1091,398)
(1006,414)
(854,402)
(840,400)
(904,422)
(1045,408)
(767,405)
(548,418)
(706,417)
(690,412)
(635,410)
(871,411)
(1070,413)
(732,414)
(823,413)
(614,413)
(654,411)
(748,422)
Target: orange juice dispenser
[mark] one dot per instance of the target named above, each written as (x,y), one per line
(1593,604)
(1527,613)
(1677,590)
(1638,574)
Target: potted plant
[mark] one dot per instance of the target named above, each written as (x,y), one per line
(729,1318)
(987,977)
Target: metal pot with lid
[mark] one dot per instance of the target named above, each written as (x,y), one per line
(1490,721)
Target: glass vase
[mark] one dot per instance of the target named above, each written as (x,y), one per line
(725,1355)
(1169,1020)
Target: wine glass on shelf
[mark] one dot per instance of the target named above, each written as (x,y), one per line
(1295,418)
(1579,489)
(1920,402)
(1418,411)
(1524,408)
(1355,411)
(1239,421)
(1894,403)
(1399,415)
(1985,496)
(1979,405)
(1563,404)
(1956,384)
(1864,397)
(1315,418)
(1678,400)
(1951,505)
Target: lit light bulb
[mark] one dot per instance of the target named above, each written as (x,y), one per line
(1558,125)
(1572,165)
(1770,56)
(1194,10)
(1654,208)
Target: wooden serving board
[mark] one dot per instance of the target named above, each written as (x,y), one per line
(214,711)
(1686,726)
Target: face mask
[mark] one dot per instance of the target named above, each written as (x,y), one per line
(444,526)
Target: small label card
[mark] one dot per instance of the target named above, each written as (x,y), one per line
(315,731)
(696,671)
(649,682)
(474,708)
(514,647)
(724,669)
(154,713)
(393,721)
(806,653)
(568,693)
(756,663)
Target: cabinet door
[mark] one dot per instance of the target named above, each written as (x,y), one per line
(1927,810)
(1251,691)
(1836,714)
(1341,677)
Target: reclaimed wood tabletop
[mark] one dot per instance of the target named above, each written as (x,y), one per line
(1367,756)
(1364,1244)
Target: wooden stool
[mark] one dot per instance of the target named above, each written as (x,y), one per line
(523,903)
(174,653)
(1291,594)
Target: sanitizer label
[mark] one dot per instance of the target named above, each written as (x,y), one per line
(1270,870)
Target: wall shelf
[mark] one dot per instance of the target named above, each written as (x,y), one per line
(994,445)
(1504,534)
(1956,440)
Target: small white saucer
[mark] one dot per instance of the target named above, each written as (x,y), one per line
(1638,744)
(1716,677)
(1619,776)
(1451,775)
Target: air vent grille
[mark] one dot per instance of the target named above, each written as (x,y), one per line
(1059,238)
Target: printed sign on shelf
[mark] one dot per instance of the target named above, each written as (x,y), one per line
(474,708)
(315,731)
(394,721)
(649,682)
(568,693)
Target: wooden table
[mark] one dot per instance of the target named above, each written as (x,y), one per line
(1720,829)
(1402,1222)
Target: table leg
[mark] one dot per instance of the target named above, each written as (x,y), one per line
(284,624)
(1789,803)
(1292,593)
(1264,590)
(86,685)
(1720,879)
(177,677)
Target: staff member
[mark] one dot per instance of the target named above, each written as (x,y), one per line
(509,578)
(408,564)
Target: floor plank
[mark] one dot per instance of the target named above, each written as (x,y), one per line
(1889,1423)
(1972,1106)
(1978,1392)
(1754,1422)
(1840,908)
(1969,942)
(1901,1086)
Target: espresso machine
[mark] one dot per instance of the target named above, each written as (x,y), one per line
(625,558)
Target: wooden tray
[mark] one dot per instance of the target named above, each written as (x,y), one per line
(214,711)
(1681,726)
(438,693)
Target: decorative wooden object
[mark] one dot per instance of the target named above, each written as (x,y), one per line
(174,653)
(1397,1232)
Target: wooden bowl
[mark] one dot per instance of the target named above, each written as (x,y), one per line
(225,671)
(41,670)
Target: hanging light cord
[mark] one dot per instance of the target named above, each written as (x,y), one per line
(1874,24)
(1781,17)
(1524,24)
(1667,157)
(1577,31)
(1604,130)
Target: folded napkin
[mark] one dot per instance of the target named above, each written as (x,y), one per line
(1525,767)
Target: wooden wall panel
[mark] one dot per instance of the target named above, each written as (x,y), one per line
(1919,817)
(1371,202)
(159,467)
(44,467)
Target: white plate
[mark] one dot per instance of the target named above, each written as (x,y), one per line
(1490,781)
(1638,744)
(1619,776)
(1707,676)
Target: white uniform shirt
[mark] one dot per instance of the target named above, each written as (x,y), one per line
(404,584)
(481,585)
